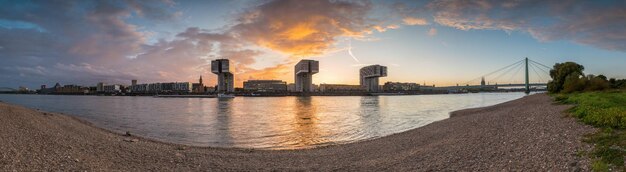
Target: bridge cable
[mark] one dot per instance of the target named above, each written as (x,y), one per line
(547,67)
(511,80)
(495,71)
(542,69)
(532,66)
(506,72)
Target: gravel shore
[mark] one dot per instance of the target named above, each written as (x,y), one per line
(528,134)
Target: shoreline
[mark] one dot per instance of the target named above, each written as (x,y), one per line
(286,94)
(436,146)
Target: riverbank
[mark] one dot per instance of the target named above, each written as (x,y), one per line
(605,110)
(530,133)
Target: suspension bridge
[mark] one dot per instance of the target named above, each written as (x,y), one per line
(510,77)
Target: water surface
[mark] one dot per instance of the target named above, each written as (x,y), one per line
(261,122)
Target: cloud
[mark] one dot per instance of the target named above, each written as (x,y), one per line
(432,32)
(304,28)
(81,39)
(585,22)
(414,21)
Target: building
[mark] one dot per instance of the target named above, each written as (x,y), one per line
(180,87)
(71,89)
(303,72)
(99,87)
(133,82)
(23,89)
(340,88)
(401,86)
(265,85)
(138,88)
(369,77)
(168,87)
(291,87)
(224,71)
(198,87)
(115,88)
(482,82)
(209,89)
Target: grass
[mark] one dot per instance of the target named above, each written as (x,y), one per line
(600,109)
(605,110)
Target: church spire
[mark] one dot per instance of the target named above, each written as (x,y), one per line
(482,81)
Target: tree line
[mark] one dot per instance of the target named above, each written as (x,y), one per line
(568,77)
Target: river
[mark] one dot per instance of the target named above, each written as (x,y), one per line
(261,122)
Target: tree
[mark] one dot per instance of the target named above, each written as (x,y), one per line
(602,77)
(574,83)
(560,72)
(597,83)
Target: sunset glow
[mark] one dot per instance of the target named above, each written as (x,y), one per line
(431,42)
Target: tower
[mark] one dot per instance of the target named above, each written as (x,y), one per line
(369,77)
(526,78)
(303,72)
(200,86)
(482,82)
(224,71)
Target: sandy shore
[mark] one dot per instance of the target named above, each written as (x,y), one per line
(529,134)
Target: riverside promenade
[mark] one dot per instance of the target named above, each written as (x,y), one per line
(528,134)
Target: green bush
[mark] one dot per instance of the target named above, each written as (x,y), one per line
(601,109)
(606,110)
(573,83)
(597,83)
(568,77)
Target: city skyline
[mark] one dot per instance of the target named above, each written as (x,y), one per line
(436,42)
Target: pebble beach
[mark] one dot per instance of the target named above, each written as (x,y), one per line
(528,134)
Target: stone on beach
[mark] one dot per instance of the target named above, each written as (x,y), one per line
(528,134)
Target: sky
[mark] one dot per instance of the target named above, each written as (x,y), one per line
(436,42)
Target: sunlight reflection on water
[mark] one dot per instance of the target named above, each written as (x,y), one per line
(261,122)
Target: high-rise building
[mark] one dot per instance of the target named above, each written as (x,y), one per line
(133,82)
(303,72)
(369,77)
(265,85)
(224,71)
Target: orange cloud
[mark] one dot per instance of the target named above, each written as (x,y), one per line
(282,71)
(414,21)
(303,28)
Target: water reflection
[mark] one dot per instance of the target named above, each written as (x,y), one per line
(305,125)
(261,122)
(370,114)
(222,121)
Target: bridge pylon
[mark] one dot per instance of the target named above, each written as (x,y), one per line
(526,83)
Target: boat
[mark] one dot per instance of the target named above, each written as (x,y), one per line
(222,95)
